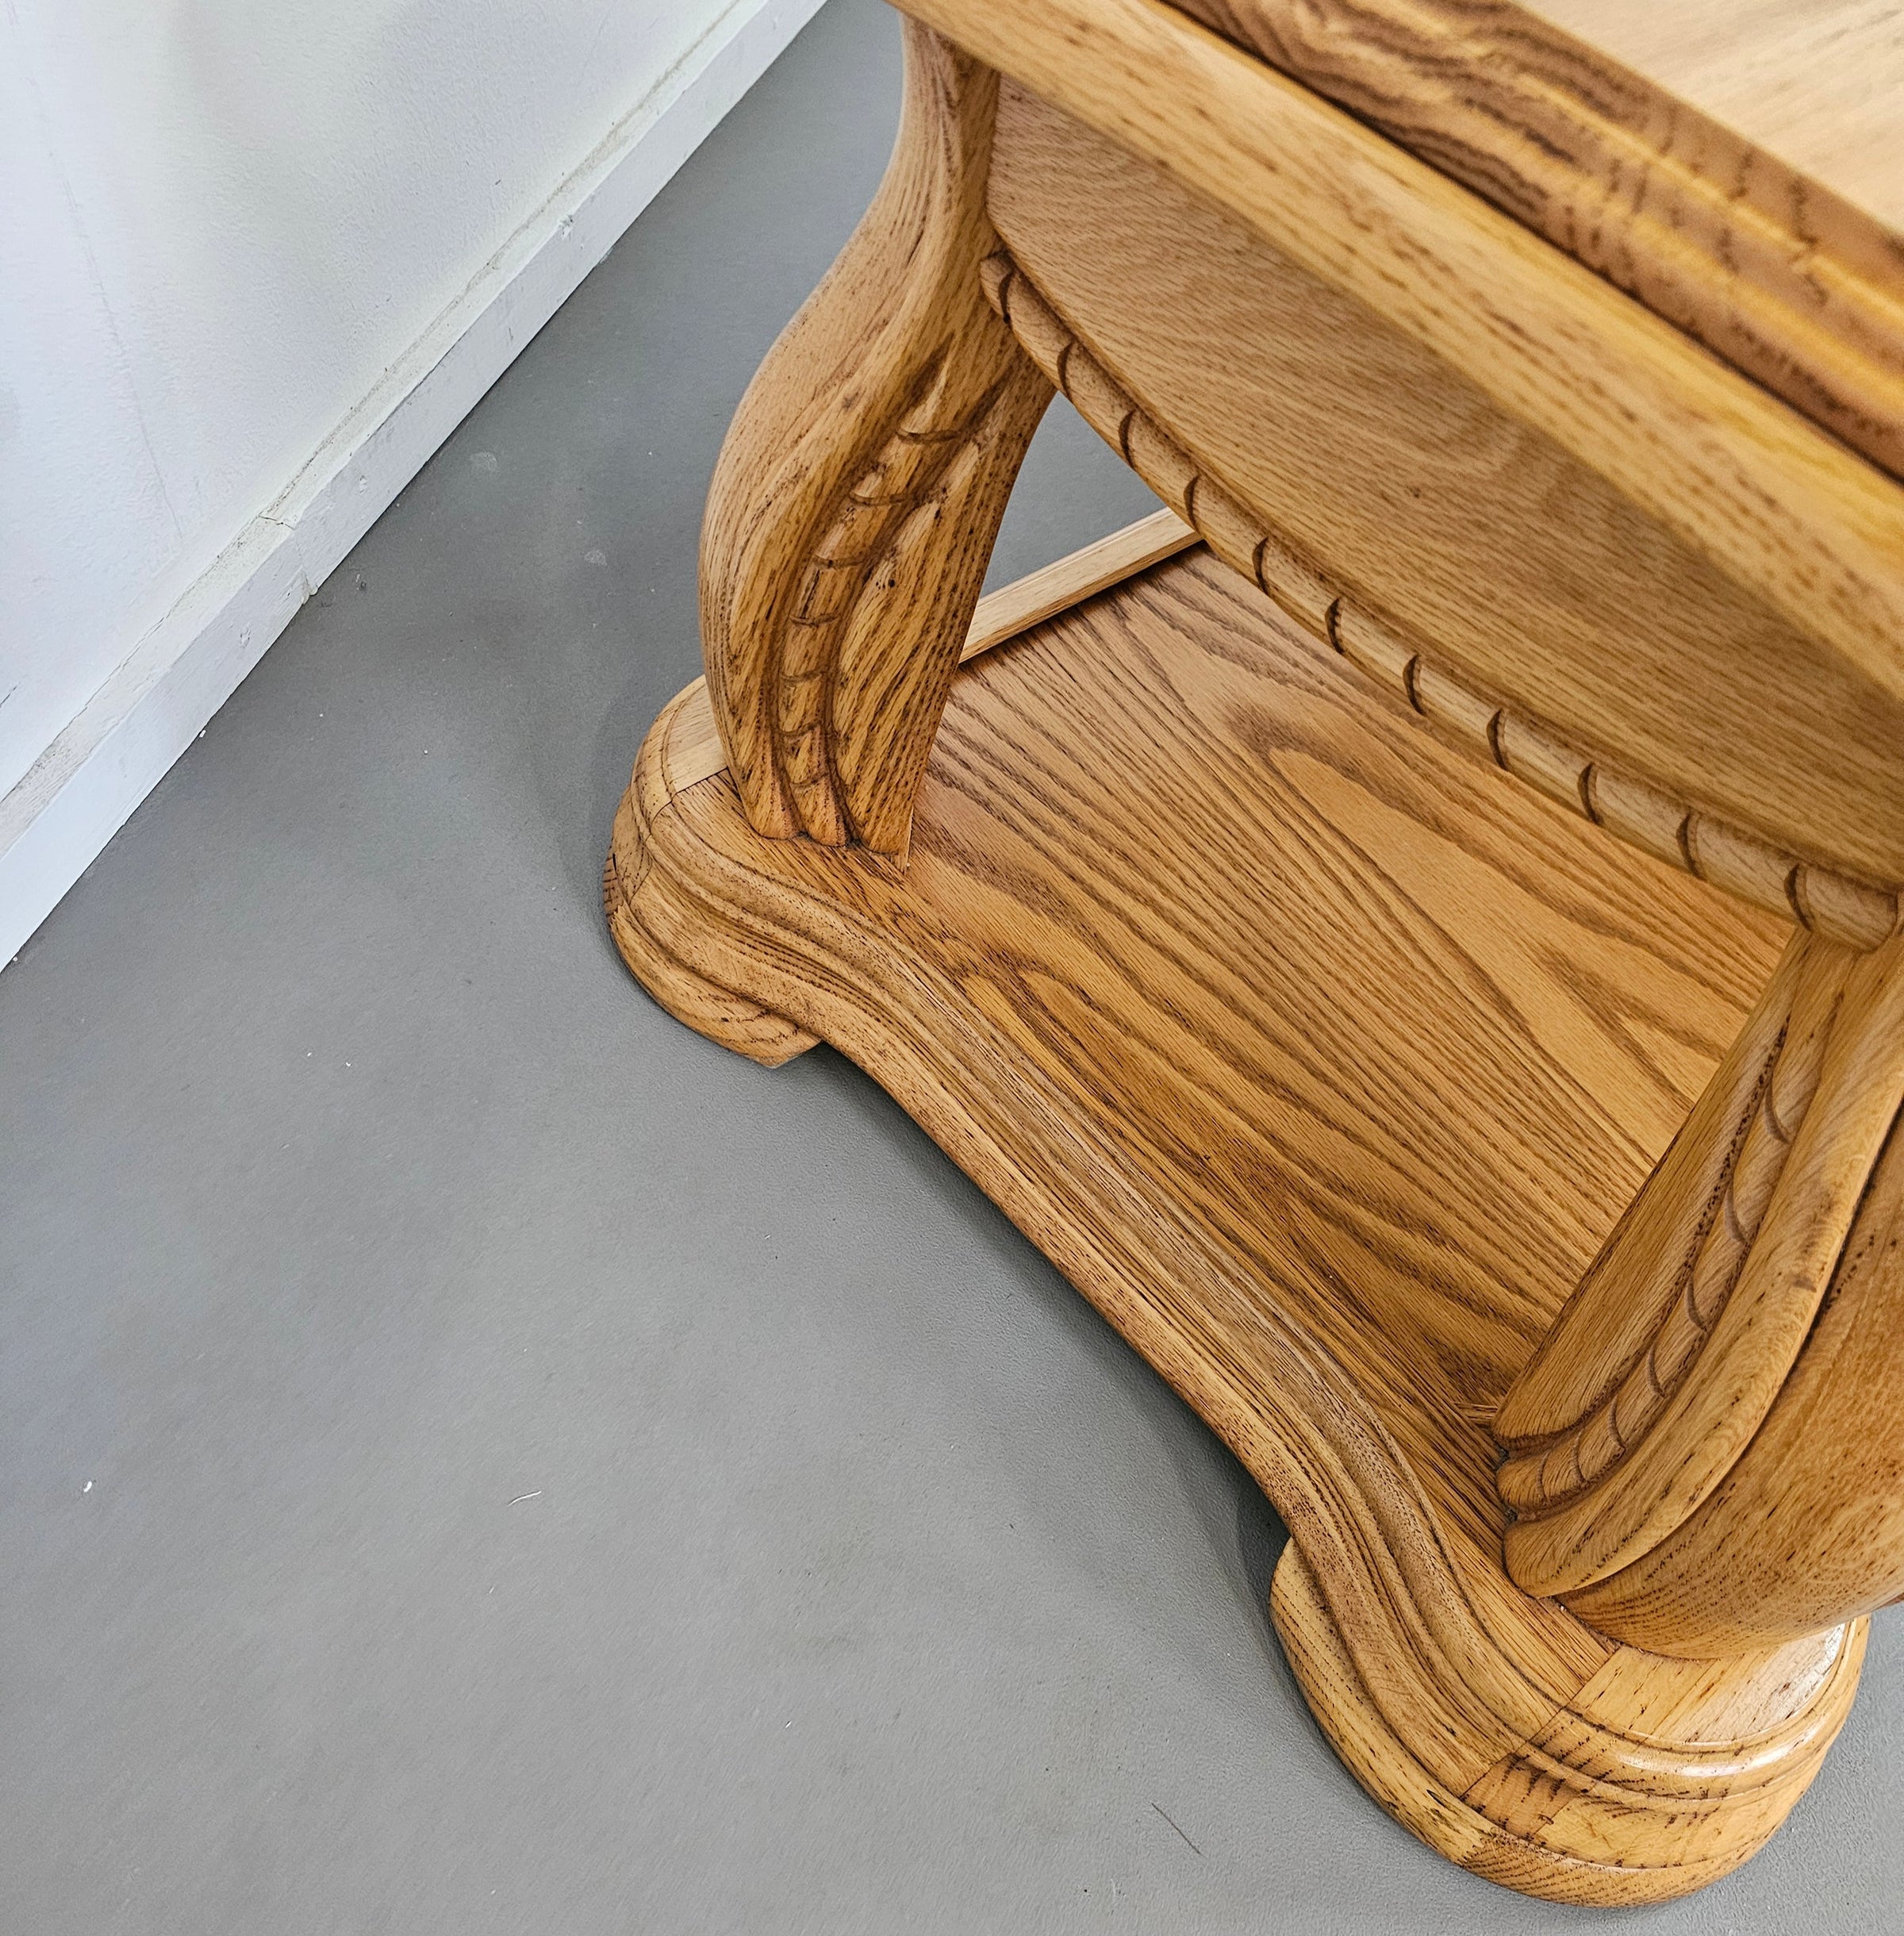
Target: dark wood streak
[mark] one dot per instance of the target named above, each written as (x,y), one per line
(1794,284)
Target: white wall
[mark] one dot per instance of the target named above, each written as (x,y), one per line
(255,260)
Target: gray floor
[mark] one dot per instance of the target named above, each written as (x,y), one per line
(482,1459)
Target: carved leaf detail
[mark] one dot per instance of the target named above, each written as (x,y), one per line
(1544,1477)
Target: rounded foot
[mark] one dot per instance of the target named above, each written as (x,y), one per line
(650,919)
(1655,1778)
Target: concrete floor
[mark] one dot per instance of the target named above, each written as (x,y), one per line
(483,1459)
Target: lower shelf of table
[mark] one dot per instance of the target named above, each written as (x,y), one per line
(1322,1061)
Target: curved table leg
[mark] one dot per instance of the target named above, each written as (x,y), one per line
(860,489)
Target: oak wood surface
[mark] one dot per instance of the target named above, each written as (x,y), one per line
(695,749)
(1817,83)
(1683,1339)
(1694,1724)
(1002,615)
(1737,167)
(1323,1059)
(1279,978)
(1415,525)
(857,493)
(1784,508)
(1807,1526)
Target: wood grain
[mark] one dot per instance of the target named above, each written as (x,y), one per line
(1673,1352)
(1386,1105)
(695,752)
(1809,1523)
(1738,167)
(1619,710)
(1781,506)
(673,757)
(1002,615)
(1323,1059)
(1813,83)
(857,494)
(1554,1818)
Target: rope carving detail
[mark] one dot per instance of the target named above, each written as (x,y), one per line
(1836,906)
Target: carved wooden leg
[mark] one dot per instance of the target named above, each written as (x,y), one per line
(1708,1452)
(860,489)
(849,523)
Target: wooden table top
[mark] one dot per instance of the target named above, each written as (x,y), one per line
(1737,165)
(1818,84)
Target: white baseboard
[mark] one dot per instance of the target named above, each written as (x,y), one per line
(83,788)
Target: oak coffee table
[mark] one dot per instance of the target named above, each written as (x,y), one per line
(1413,930)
